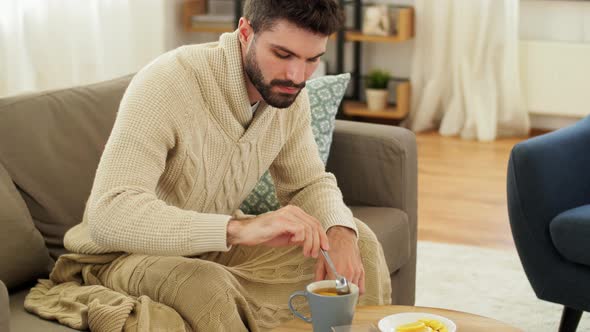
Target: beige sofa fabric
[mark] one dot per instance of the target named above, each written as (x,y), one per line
(57,139)
(23,321)
(392,230)
(23,255)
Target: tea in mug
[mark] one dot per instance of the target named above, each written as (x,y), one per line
(326,291)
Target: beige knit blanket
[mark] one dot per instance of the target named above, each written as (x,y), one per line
(244,289)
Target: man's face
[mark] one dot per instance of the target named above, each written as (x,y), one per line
(279,61)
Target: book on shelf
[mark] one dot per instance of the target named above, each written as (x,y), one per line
(216,21)
(218,7)
(208,19)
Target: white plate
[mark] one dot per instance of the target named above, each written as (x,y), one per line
(390,323)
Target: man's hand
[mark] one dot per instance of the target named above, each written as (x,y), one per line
(289,225)
(346,256)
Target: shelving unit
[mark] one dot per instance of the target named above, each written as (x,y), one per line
(210,28)
(404,27)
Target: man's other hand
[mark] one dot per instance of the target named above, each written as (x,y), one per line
(289,225)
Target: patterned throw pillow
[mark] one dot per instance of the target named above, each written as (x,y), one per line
(325,94)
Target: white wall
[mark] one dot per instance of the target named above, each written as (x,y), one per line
(567,21)
(555,94)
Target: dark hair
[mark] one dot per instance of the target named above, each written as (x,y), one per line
(318,16)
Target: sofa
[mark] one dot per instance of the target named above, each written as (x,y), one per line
(50,145)
(549,208)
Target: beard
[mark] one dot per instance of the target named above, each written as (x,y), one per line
(274,99)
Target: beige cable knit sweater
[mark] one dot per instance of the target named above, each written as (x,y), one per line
(185,151)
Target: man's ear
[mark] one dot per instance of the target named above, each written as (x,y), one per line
(245,32)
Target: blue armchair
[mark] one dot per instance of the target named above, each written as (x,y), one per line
(549,208)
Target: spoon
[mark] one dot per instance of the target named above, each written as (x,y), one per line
(341,282)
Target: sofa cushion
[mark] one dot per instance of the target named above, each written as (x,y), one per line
(570,231)
(21,320)
(50,144)
(392,230)
(325,94)
(23,255)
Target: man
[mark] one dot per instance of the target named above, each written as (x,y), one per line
(195,131)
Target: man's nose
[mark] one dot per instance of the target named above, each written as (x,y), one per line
(296,73)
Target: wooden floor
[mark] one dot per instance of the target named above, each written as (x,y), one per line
(462,191)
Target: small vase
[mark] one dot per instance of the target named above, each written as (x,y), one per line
(376,99)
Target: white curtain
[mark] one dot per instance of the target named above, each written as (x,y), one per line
(46,44)
(465,74)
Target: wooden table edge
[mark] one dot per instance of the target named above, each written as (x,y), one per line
(372,314)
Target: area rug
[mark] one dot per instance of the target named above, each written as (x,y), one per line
(485,282)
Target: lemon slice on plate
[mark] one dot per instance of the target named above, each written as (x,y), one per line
(416,322)
(411,327)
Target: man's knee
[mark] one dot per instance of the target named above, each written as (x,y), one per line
(172,279)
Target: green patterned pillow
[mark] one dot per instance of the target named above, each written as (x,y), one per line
(325,94)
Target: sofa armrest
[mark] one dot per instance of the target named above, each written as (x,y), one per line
(4,308)
(375,165)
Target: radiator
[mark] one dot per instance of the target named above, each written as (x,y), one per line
(556,77)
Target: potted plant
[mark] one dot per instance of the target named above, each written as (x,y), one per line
(376,91)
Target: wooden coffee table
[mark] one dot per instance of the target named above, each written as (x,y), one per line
(465,322)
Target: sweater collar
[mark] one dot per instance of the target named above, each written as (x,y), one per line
(235,89)
(221,77)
